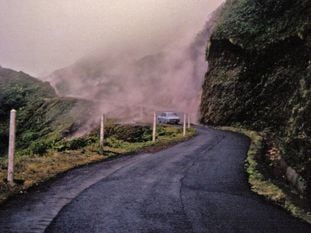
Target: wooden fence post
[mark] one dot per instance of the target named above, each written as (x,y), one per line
(184,125)
(154,128)
(102,131)
(189,121)
(11,147)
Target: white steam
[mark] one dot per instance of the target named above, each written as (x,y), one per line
(131,86)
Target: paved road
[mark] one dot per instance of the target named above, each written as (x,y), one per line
(196,186)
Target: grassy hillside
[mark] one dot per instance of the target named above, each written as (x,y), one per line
(260,74)
(42,116)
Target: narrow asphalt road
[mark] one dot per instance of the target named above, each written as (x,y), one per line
(196,186)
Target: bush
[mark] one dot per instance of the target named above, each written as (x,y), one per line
(76,143)
(161,131)
(29,136)
(59,146)
(129,133)
(39,148)
(114,142)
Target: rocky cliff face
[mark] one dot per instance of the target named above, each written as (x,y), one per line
(260,74)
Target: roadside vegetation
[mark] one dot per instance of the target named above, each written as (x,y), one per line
(46,122)
(261,181)
(46,161)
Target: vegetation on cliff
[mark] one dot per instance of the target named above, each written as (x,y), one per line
(260,75)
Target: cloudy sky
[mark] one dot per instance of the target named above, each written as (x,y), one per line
(39,36)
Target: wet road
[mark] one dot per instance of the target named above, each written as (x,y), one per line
(196,186)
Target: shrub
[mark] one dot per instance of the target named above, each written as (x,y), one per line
(39,148)
(76,143)
(129,133)
(114,142)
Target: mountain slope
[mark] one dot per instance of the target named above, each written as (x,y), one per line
(42,116)
(260,74)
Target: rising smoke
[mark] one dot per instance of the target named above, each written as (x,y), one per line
(131,86)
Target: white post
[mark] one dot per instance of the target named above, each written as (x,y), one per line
(102,131)
(11,147)
(154,128)
(189,121)
(184,125)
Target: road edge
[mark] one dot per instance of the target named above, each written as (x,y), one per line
(156,147)
(257,181)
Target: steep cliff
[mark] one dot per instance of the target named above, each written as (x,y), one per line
(260,74)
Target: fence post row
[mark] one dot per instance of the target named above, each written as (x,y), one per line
(11,147)
(154,128)
(12,138)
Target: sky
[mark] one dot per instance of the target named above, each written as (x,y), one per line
(40,36)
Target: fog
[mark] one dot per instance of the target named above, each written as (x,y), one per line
(129,58)
(39,36)
(130,86)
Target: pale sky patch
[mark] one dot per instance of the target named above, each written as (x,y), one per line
(39,36)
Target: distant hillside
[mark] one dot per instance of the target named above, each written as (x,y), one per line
(260,74)
(168,80)
(42,116)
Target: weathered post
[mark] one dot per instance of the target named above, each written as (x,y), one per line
(102,131)
(184,125)
(189,121)
(154,128)
(11,147)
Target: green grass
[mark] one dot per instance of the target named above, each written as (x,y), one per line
(43,118)
(45,121)
(259,183)
(31,170)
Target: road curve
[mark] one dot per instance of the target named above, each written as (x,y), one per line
(196,186)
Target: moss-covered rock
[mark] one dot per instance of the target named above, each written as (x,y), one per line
(260,74)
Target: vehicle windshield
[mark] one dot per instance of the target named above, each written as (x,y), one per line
(171,114)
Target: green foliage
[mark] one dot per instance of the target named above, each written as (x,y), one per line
(161,131)
(254,24)
(39,148)
(114,142)
(129,133)
(168,131)
(260,74)
(75,143)
(42,116)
